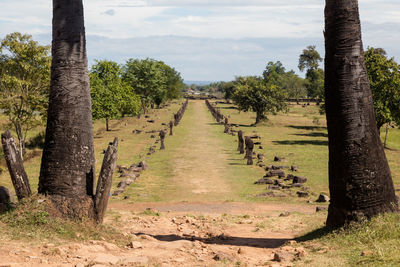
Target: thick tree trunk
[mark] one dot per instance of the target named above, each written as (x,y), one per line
(15,166)
(67,170)
(360,182)
(105,181)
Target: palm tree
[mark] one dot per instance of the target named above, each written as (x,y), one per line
(360,182)
(67,170)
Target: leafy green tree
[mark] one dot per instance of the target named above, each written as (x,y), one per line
(309,61)
(255,94)
(228,88)
(111,97)
(293,85)
(384,78)
(148,80)
(24,83)
(174,82)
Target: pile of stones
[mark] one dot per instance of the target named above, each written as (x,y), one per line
(178,116)
(129,175)
(220,118)
(277,179)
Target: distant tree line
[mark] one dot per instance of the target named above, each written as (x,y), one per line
(132,88)
(116,90)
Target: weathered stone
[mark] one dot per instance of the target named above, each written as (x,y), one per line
(273,173)
(299,180)
(264,181)
(274,187)
(6,199)
(294,168)
(319,209)
(277,158)
(302,194)
(323,198)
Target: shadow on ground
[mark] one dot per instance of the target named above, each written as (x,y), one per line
(228,240)
(314,134)
(302,142)
(308,128)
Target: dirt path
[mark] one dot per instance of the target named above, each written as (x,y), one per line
(199,166)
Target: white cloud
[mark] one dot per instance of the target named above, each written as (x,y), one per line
(205,38)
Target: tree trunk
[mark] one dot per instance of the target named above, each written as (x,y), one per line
(360,182)
(67,170)
(107,128)
(259,117)
(15,166)
(105,181)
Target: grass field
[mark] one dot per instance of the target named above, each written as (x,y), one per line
(199,147)
(201,167)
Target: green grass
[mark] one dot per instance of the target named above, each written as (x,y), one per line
(31,220)
(371,243)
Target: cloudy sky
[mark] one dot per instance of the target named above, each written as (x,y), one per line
(205,40)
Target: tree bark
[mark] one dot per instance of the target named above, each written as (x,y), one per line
(67,170)
(15,166)
(107,128)
(360,182)
(105,181)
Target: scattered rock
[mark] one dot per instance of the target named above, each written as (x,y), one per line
(106,259)
(264,181)
(323,198)
(150,121)
(299,180)
(277,158)
(297,185)
(273,173)
(294,168)
(302,194)
(261,147)
(221,256)
(272,194)
(274,187)
(6,199)
(135,245)
(282,256)
(143,165)
(284,214)
(152,136)
(319,209)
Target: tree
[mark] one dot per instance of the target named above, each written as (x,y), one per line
(309,61)
(293,85)
(147,79)
(253,93)
(384,79)
(67,171)
(228,88)
(111,97)
(360,182)
(24,83)
(174,82)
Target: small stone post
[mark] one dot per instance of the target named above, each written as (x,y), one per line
(249,150)
(171,125)
(162,136)
(15,166)
(241,142)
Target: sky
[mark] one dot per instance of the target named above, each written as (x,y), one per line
(205,40)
